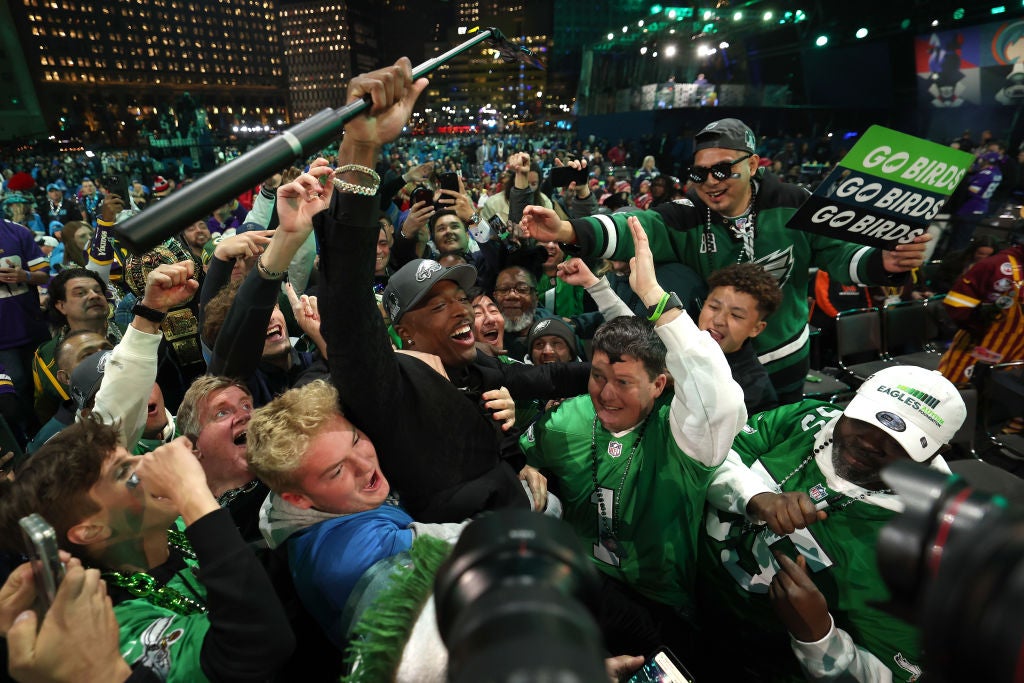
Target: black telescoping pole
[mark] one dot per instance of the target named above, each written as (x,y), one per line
(169,216)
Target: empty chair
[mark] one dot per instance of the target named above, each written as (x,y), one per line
(908,331)
(1003,402)
(859,344)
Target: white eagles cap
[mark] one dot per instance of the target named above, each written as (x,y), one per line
(919,408)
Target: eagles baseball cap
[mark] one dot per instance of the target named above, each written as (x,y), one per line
(919,408)
(552,327)
(87,377)
(413,281)
(726,134)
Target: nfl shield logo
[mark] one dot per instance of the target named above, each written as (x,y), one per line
(818,493)
(614,449)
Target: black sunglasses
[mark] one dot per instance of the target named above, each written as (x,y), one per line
(722,170)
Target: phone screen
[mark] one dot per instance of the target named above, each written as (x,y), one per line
(561,176)
(662,667)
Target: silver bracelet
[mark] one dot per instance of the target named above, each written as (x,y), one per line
(345,186)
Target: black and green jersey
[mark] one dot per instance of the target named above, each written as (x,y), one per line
(737,567)
(162,640)
(684,231)
(653,503)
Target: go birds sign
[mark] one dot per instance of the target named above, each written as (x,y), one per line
(885,191)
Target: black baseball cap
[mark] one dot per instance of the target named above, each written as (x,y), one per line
(552,327)
(726,134)
(414,280)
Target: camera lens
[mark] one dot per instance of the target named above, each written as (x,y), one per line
(513,599)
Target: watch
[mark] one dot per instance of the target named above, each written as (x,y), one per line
(669,300)
(474,219)
(150,314)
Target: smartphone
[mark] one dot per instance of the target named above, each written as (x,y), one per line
(662,666)
(449,180)
(117,184)
(41,544)
(422,194)
(561,176)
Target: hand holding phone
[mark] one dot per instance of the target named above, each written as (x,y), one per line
(562,176)
(47,568)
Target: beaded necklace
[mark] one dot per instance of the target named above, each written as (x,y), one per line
(828,503)
(743,227)
(142,585)
(606,533)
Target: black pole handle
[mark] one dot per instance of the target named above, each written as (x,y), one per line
(170,216)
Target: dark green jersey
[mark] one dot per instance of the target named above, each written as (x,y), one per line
(164,641)
(653,501)
(685,231)
(736,561)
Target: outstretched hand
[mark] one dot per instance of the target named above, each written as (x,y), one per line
(303,198)
(641,267)
(544,225)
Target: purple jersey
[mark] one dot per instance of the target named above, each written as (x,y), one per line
(981,186)
(19,302)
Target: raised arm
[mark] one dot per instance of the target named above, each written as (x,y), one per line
(707,406)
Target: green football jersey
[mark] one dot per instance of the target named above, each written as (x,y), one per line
(162,640)
(653,496)
(737,566)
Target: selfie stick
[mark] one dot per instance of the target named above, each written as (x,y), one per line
(168,217)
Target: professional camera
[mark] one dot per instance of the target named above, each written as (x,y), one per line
(512,602)
(955,559)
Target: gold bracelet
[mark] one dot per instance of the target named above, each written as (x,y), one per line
(345,186)
(365,170)
(266,272)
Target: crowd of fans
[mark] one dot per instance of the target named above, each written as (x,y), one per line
(238,428)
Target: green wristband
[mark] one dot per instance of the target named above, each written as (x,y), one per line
(660,308)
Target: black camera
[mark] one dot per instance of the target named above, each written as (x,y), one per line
(514,602)
(955,561)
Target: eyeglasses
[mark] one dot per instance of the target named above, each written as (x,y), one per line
(521,290)
(722,170)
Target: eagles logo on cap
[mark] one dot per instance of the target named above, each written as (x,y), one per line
(426,269)
(541,326)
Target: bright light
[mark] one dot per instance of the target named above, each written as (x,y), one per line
(821,41)
(935,22)
(737,16)
(643,50)
(861,33)
(999,9)
(611,36)
(462,30)
(89,153)
(723,45)
(640,24)
(540,93)
(768,16)
(708,14)
(655,9)
(672,14)
(670,51)
(702,51)
(958,13)
(655,54)
(625,28)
